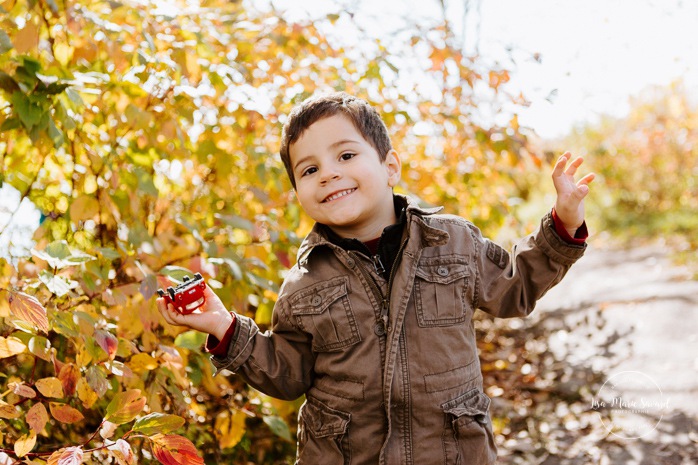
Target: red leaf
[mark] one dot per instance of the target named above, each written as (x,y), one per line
(28,308)
(69,376)
(108,342)
(173,449)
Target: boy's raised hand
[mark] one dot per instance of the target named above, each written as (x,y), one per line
(569,205)
(212,317)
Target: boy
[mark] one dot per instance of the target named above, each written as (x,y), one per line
(374,322)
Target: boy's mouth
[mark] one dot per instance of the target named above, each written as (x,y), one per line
(338,195)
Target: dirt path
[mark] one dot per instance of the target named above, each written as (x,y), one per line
(632,316)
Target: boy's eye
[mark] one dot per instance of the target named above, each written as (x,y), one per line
(308,171)
(347,156)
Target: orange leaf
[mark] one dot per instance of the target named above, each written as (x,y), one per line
(67,456)
(84,208)
(125,406)
(28,308)
(173,449)
(37,417)
(65,413)
(27,39)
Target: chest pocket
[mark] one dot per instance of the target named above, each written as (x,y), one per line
(441,291)
(324,311)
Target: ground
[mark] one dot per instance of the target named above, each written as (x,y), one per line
(614,351)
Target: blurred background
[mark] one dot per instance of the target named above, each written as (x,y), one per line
(139,141)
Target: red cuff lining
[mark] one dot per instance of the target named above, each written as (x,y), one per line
(216,347)
(579,237)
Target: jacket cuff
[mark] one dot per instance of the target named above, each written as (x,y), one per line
(554,246)
(579,237)
(240,346)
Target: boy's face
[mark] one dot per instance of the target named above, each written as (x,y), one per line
(340,180)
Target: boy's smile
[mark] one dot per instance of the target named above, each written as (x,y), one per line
(341,181)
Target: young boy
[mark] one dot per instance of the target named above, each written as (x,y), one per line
(374,322)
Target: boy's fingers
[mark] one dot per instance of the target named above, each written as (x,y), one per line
(586,180)
(572,169)
(560,165)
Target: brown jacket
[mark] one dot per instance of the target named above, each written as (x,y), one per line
(409,392)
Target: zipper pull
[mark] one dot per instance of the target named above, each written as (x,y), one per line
(378,265)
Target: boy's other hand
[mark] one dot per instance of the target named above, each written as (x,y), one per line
(212,317)
(569,205)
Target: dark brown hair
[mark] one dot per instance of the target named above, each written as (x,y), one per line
(362,115)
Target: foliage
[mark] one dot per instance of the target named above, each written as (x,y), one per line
(648,166)
(147,136)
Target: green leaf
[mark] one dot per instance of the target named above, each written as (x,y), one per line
(5,42)
(190,340)
(176,273)
(63,324)
(7,83)
(158,423)
(29,113)
(59,255)
(279,427)
(10,124)
(125,406)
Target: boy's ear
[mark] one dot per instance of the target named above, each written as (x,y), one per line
(393,166)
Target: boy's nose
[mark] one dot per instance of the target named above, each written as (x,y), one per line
(329,174)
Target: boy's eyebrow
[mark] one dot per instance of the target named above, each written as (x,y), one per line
(332,146)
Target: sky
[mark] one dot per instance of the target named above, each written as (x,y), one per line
(593,55)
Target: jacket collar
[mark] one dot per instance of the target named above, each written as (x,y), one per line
(430,236)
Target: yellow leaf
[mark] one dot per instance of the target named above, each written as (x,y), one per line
(63,53)
(7,411)
(25,444)
(229,428)
(11,346)
(142,362)
(86,394)
(50,387)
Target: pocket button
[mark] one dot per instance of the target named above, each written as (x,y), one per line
(442,271)
(316,300)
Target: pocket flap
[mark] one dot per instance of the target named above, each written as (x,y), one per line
(323,421)
(473,403)
(443,273)
(316,299)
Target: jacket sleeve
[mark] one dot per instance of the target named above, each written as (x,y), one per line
(278,362)
(508,284)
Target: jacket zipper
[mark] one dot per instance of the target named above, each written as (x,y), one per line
(382,325)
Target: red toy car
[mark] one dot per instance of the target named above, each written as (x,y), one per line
(188,296)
